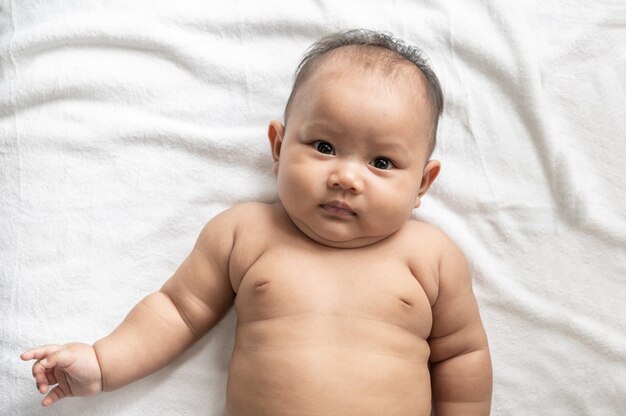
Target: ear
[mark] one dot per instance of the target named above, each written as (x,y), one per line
(275,133)
(431,171)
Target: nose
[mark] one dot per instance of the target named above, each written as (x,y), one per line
(346,176)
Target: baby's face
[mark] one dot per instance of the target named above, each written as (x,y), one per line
(351,164)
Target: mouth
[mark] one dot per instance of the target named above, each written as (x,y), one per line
(338,208)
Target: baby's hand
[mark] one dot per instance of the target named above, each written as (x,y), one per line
(72,367)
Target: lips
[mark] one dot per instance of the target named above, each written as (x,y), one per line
(338,208)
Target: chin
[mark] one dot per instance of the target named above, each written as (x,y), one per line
(330,236)
(342,241)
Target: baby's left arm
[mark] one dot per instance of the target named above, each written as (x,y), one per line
(460,362)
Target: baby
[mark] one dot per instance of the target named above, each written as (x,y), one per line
(345,305)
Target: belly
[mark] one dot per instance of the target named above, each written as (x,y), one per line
(309,364)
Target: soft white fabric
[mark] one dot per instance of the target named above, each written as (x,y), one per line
(126,125)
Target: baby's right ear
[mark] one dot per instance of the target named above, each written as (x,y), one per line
(275,132)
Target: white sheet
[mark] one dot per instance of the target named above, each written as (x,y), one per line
(125,126)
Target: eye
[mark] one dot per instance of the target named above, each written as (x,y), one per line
(382,163)
(324,147)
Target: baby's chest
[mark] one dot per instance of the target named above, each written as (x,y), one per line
(284,283)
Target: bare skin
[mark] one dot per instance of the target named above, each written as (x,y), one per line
(321,342)
(302,347)
(345,305)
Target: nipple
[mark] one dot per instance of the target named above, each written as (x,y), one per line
(261,285)
(407,303)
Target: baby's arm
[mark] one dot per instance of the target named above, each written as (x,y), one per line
(155,331)
(460,362)
(166,322)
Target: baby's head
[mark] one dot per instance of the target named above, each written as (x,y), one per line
(377,54)
(352,159)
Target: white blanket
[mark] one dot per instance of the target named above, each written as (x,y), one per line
(126,125)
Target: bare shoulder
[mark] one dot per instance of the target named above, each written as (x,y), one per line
(450,256)
(242,212)
(248,208)
(423,234)
(248,213)
(432,244)
(421,229)
(227,223)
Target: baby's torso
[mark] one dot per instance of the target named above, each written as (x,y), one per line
(324,331)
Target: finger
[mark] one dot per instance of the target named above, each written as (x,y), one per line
(39,352)
(60,358)
(54,396)
(41,380)
(64,385)
(51,377)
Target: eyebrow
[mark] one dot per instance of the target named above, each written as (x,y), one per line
(323,126)
(391,147)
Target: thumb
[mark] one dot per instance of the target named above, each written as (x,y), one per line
(61,358)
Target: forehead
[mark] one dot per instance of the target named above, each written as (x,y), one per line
(372,65)
(377,73)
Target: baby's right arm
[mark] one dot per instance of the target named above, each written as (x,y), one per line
(155,331)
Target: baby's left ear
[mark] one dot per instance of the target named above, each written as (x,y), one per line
(431,171)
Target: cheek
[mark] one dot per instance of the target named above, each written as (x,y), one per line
(397,200)
(295,179)
(284,184)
